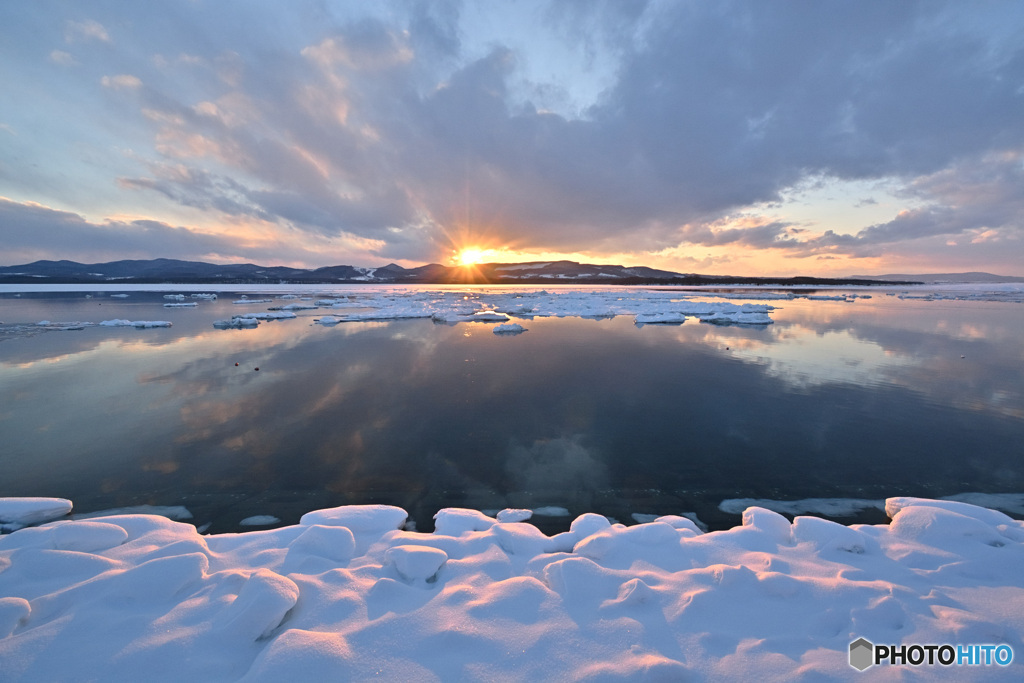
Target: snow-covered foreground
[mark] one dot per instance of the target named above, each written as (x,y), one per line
(348,595)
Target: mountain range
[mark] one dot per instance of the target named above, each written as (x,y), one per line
(566,272)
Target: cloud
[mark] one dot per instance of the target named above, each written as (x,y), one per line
(669,121)
(88,29)
(32,231)
(62,58)
(121,82)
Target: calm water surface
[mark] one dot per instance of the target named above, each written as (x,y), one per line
(868,399)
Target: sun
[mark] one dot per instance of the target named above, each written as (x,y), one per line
(472,256)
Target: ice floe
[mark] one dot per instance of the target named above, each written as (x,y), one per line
(237,323)
(65,326)
(187,304)
(293,307)
(500,306)
(347,594)
(135,323)
(259,520)
(832,507)
(508,328)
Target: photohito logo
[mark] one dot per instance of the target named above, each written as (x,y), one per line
(864,653)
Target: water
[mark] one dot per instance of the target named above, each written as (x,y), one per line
(869,399)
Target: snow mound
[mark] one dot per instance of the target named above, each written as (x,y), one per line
(347,595)
(176,512)
(25,511)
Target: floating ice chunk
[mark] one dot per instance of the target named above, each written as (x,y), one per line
(267,315)
(1008,502)
(487,317)
(328,320)
(391,313)
(514,515)
(175,297)
(64,326)
(119,296)
(642,518)
(187,304)
(136,323)
(288,296)
(259,520)
(737,318)
(243,300)
(205,297)
(293,307)
(508,328)
(830,507)
(416,562)
(236,323)
(670,318)
(27,511)
(551,511)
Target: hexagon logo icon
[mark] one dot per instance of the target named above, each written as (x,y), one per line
(862,654)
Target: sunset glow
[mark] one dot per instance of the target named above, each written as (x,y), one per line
(470,256)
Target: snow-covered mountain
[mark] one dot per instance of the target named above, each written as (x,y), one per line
(540,272)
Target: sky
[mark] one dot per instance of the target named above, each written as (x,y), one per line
(728,137)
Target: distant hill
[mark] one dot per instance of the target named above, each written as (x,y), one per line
(171,271)
(945,278)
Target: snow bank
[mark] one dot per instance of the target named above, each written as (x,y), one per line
(347,595)
(19,512)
